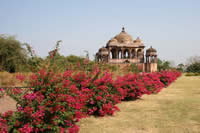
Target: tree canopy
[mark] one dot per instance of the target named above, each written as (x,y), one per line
(12,54)
(193,64)
(194,67)
(163,65)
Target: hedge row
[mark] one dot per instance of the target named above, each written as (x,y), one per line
(58,101)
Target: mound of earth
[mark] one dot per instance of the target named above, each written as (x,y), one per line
(7,103)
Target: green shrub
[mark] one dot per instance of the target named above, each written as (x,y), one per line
(192,74)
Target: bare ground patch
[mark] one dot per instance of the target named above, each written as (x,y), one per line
(7,103)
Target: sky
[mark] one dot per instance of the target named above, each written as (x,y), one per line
(172,27)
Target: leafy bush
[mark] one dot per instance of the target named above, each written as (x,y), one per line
(55,102)
(192,74)
(134,68)
(167,77)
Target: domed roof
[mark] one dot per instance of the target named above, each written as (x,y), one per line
(113,40)
(138,40)
(123,37)
(151,50)
(103,49)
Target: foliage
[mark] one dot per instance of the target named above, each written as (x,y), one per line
(133,86)
(193,68)
(163,65)
(192,60)
(134,68)
(180,67)
(12,54)
(192,74)
(15,58)
(34,62)
(55,102)
(180,98)
(193,65)
(2,92)
(87,54)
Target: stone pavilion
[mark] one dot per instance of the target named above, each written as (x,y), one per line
(123,49)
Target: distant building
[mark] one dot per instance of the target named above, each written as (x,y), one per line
(123,49)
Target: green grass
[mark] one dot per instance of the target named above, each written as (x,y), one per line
(175,109)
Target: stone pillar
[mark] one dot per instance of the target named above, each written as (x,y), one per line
(143,58)
(129,53)
(117,54)
(132,53)
(155,59)
(136,54)
(109,53)
(147,59)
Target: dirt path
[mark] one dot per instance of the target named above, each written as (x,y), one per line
(7,103)
(175,109)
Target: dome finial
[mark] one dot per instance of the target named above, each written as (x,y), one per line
(123,29)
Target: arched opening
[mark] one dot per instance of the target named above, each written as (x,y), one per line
(99,58)
(120,54)
(113,54)
(148,59)
(126,54)
(104,58)
(153,59)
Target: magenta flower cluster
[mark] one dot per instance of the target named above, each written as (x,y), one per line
(56,102)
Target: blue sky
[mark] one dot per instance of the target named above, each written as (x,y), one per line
(170,26)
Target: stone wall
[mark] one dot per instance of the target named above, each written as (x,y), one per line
(150,67)
(123,61)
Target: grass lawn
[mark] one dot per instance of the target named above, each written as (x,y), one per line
(175,109)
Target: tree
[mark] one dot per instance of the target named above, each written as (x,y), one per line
(12,54)
(34,62)
(193,64)
(180,67)
(163,65)
(194,68)
(87,54)
(193,59)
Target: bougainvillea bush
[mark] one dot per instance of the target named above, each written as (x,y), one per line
(133,86)
(55,102)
